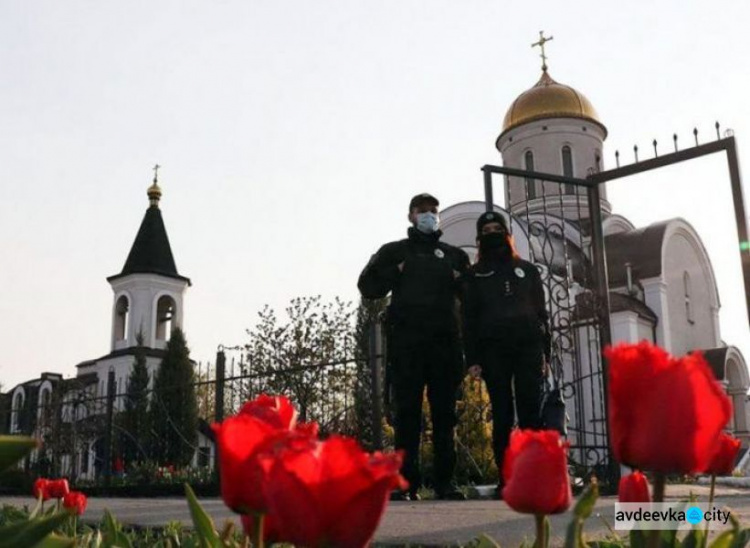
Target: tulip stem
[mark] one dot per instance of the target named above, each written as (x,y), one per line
(660,482)
(541,531)
(258,529)
(710,504)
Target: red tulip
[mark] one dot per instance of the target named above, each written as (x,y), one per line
(41,489)
(329,493)
(633,488)
(75,502)
(58,488)
(665,414)
(240,439)
(535,470)
(722,462)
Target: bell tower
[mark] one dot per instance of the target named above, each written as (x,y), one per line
(551,128)
(148,292)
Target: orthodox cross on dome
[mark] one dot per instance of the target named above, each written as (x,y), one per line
(156,173)
(542,40)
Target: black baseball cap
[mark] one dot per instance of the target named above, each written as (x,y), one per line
(491,217)
(421,198)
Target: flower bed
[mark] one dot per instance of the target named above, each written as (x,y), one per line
(290,487)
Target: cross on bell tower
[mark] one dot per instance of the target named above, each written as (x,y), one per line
(542,40)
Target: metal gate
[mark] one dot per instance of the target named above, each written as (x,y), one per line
(564,238)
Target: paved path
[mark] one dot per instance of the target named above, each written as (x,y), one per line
(426,523)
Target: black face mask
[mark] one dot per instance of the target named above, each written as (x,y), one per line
(494,244)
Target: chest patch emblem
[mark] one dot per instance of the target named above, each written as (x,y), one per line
(439,253)
(519,272)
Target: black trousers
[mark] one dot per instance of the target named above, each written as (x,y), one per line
(435,363)
(511,373)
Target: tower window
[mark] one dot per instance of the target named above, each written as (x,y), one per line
(530,186)
(688,306)
(165,311)
(567,164)
(121,318)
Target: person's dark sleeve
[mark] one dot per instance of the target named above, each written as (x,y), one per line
(380,275)
(470,316)
(541,313)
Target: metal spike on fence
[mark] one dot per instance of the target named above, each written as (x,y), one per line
(656,154)
(718,133)
(674,136)
(617,157)
(695,134)
(635,149)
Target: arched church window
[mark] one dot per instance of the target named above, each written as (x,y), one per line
(15,420)
(45,407)
(165,311)
(121,318)
(688,306)
(567,165)
(530,187)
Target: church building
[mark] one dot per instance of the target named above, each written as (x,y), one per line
(147,304)
(661,280)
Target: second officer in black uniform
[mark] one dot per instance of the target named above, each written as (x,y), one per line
(422,274)
(506,331)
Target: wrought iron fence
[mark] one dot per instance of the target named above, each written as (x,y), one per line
(97,431)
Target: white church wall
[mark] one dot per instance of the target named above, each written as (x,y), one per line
(691,308)
(655,297)
(645,331)
(738,383)
(624,327)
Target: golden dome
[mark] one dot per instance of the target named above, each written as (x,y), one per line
(549,99)
(154,193)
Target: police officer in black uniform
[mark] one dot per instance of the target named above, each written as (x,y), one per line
(423,276)
(506,331)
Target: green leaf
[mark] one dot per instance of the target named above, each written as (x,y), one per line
(31,532)
(638,538)
(735,521)
(587,500)
(55,541)
(573,535)
(37,509)
(485,541)
(724,540)
(202,522)
(694,539)
(741,539)
(113,535)
(669,538)
(13,449)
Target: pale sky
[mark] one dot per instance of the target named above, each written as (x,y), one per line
(293,133)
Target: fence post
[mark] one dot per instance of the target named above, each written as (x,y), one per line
(376,372)
(221,360)
(219,398)
(110,426)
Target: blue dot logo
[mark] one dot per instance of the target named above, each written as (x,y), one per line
(694,515)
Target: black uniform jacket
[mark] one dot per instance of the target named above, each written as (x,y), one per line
(504,301)
(423,294)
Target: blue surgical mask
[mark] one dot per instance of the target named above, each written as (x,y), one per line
(427,222)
